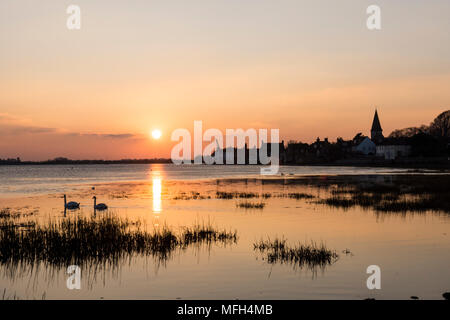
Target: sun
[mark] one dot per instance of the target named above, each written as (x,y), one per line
(156,134)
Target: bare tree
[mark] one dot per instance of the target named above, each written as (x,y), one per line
(408,132)
(440,127)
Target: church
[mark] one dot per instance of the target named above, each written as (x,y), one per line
(368,146)
(376,133)
(387,148)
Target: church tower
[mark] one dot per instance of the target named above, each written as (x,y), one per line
(376,131)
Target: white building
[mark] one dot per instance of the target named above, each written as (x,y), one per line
(393,151)
(366,147)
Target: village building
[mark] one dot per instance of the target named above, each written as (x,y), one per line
(366,147)
(391,149)
(387,148)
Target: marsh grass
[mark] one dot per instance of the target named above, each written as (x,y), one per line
(382,193)
(107,239)
(206,233)
(391,194)
(311,256)
(251,205)
(236,195)
(299,196)
(385,194)
(224,195)
(251,195)
(389,202)
(6,213)
(192,196)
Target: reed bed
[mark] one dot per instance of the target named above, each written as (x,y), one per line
(236,195)
(250,195)
(311,256)
(300,195)
(390,203)
(224,195)
(251,205)
(192,196)
(6,213)
(385,194)
(390,193)
(96,240)
(205,233)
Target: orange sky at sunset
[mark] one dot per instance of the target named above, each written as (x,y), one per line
(308,69)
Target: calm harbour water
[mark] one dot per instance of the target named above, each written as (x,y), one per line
(43,179)
(410,248)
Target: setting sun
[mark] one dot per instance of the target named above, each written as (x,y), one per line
(156,134)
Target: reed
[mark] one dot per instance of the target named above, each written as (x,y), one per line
(251,205)
(206,233)
(192,196)
(6,213)
(311,255)
(97,240)
(224,195)
(390,203)
(299,196)
(236,195)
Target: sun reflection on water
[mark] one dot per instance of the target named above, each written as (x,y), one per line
(157,203)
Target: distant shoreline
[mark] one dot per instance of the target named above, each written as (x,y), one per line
(85,162)
(432,164)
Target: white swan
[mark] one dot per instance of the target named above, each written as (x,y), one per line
(100,206)
(71,205)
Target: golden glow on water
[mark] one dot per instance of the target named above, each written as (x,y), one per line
(157,206)
(405,245)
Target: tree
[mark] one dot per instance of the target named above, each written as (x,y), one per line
(408,132)
(426,145)
(440,127)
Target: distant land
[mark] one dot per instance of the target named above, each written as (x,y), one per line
(61,160)
(427,146)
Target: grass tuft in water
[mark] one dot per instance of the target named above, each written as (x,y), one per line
(224,195)
(236,195)
(6,213)
(192,196)
(206,233)
(299,196)
(391,194)
(311,255)
(251,205)
(105,239)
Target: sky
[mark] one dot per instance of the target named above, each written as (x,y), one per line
(309,68)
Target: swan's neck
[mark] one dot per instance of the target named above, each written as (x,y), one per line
(65,201)
(95,202)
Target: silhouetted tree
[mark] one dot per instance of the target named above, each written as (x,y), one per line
(426,145)
(440,127)
(408,132)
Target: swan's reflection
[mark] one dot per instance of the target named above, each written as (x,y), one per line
(157,207)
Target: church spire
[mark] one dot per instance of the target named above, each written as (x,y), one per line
(376,126)
(376,131)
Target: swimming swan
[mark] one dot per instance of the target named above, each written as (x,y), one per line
(71,205)
(100,206)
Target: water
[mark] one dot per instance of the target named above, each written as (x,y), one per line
(43,179)
(411,248)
